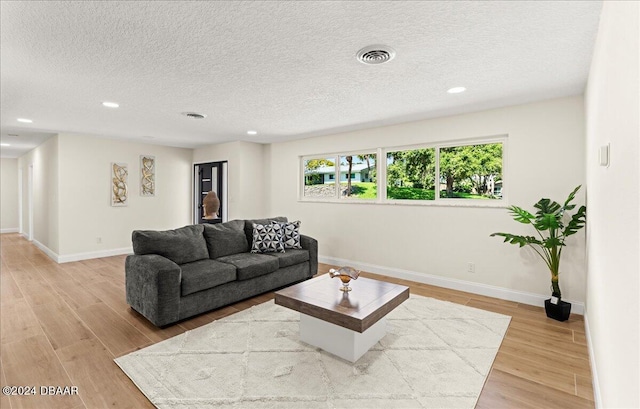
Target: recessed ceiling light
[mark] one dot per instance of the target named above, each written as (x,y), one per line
(110,104)
(25,120)
(194,115)
(456,90)
(5,144)
(252,132)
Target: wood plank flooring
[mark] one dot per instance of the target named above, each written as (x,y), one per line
(63,325)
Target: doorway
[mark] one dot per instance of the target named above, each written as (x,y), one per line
(210,177)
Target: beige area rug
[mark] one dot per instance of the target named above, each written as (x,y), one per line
(436,354)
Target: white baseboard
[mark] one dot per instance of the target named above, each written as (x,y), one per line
(453,283)
(592,361)
(52,255)
(9,230)
(67,258)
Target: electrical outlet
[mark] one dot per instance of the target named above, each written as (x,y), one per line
(99,240)
(471,267)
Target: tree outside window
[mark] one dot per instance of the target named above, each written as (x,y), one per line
(319,176)
(465,172)
(358,176)
(439,172)
(411,174)
(471,171)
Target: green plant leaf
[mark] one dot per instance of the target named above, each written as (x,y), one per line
(548,221)
(517,239)
(546,206)
(570,198)
(551,242)
(577,222)
(521,215)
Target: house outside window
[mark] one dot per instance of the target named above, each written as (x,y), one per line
(357,177)
(318,172)
(356,182)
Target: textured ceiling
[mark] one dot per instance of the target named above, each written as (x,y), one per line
(285,69)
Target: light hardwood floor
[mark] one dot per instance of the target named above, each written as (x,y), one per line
(63,325)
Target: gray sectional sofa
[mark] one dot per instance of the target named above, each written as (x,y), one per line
(176,274)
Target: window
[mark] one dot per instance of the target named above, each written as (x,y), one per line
(411,174)
(358,176)
(319,175)
(471,171)
(446,173)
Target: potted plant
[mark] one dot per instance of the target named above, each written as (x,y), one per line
(553,225)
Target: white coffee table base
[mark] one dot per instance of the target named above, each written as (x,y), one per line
(342,342)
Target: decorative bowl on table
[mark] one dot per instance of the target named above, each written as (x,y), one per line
(345,274)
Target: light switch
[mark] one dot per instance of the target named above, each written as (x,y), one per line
(604,155)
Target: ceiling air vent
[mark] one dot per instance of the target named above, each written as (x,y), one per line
(375,54)
(194,115)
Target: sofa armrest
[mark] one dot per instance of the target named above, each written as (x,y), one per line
(153,287)
(311,244)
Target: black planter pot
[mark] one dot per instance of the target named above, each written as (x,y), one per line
(558,312)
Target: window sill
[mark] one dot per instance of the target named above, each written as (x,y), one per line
(439,203)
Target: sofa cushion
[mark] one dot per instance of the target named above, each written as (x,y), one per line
(290,234)
(226,238)
(267,238)
(291,257)
(205,274)
(250,265)
(248,226)
(183,245)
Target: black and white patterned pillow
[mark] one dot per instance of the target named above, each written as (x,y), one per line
(267,238)
(290,234)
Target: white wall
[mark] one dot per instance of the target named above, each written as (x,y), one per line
(246,177)
(545,158)
(44,160)
(22,202)
(613,110)
(85,187)
(9,195)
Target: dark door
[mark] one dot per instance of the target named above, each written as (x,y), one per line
(210,177)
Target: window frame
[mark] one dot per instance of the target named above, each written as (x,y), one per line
(302,177)
(381,175)
(337,178)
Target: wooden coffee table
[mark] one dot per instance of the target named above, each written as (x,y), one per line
(346,324)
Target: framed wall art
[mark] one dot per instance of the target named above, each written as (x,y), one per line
(119,189)
(147,175)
